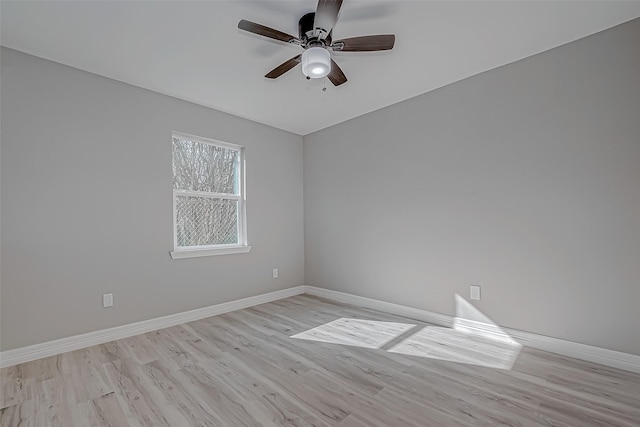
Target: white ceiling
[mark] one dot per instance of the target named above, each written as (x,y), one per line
(194,51)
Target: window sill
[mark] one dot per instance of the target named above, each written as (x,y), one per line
(194,253)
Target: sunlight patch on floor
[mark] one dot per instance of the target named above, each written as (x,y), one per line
(433,342)
(448,344)
(356,332)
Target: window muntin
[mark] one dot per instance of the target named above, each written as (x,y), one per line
(208,199)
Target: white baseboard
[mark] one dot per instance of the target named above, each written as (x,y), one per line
(603,356)
(387,307)
(52,348)
(589,353)
(488,330)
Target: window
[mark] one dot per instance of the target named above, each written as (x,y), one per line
(208,197)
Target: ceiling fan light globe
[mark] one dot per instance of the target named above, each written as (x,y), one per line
(316,62)
(319,71)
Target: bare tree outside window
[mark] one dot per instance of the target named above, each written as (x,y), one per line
(207,187)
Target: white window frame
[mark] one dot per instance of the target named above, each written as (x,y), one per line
(209,250)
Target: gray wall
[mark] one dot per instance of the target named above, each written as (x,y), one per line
(87,196)
(524,180)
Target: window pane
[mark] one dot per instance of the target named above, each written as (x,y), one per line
(202,221)
(198,166)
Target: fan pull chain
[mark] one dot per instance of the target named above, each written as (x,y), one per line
(324,84)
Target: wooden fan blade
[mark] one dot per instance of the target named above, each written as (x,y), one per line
(252,27)
(284,67)
(365,43)
(336,76)
(327,14)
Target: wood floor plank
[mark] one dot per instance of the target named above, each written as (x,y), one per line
(14,387)
(106,411)
(22,414)
(136,395)
(307,361)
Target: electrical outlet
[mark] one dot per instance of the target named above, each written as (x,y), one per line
(474,292)
(275,273)
(107,300)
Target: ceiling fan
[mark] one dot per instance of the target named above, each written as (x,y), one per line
(315,37)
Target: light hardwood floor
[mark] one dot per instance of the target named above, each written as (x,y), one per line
(271,365)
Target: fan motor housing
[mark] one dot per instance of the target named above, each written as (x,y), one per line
(307,32)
